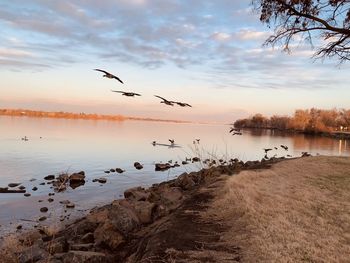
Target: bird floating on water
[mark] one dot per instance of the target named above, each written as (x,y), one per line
(165,101)
(267,150)
(284,147)
(109,75)
(125,93)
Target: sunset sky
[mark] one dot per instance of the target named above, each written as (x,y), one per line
(206,53)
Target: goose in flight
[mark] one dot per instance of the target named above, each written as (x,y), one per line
(165,101)
(109,75)
(128,94)
(182,104)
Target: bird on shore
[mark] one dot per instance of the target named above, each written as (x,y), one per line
(125,93)
(165,101)
(267,150)
(172,141)
(284,147)
(154,143)
(109,75)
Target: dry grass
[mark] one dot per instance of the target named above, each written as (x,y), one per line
(298,211)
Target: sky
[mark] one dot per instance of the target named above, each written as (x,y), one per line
(209,54)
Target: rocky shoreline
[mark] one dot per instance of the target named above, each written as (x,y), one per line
(129,230)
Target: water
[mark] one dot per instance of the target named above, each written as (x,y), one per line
(57,145)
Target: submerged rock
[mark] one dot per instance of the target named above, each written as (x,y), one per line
(138,166)
(49,177)
(119,170)
(162,166)
(13,185)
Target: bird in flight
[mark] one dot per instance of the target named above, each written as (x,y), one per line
(109,75)
(125,93)
(182,104)
(165,101)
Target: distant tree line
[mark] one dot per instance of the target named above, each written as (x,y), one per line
(309,121)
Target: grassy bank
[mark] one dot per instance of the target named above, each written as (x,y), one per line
(297,211)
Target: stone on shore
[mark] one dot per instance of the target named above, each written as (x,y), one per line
(138,166)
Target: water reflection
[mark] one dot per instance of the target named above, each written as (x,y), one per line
(55,146)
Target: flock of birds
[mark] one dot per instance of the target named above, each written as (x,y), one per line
(266,150)
(133,94)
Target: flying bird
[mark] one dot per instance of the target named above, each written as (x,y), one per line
(109,75)
(165,101)
(128,94)
(172,141)
(182,104)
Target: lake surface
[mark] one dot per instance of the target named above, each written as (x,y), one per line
(56,145)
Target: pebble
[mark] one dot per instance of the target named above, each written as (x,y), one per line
(22,187)
(70,205)
(35,188)
(43,218)
(44,209)
(27,194)
(50,200)
(49,177)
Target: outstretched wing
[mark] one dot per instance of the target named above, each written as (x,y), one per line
(161,98)
(102,71)
(119,91)
(186,104)
(117,79)
(136,94)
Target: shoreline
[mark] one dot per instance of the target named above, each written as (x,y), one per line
(139,210)
(334,135)
(203,216)
(79,116)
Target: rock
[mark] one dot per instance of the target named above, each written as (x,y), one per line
(305,154)
(120,171)
(34,188)
(77,177)
(70,205)
(184,162)
(11,185)
(82,247)
(5,190)
(32,254)
(107,172)
(43,218)
(50,200)
(108,235)
(75,184)
(43,183)
(100,180)
(162,166)
(86,257)
(44,209)
(49,177)
(58,245)
(144,210)
(88,238)
(81,173)
(19,227)
(138,166)
(50,194)
(32,180)
(112,170)
(22,187)
(27,194)
(185,182)
(122,218)
(136,193)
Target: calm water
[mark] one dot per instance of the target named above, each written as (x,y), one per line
(96,146)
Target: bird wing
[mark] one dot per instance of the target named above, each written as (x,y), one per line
(136,94)
(102,71)
(188,105)
(161,98)
(118,79)
(119,91)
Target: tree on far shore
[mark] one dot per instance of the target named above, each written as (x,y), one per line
(323,23)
